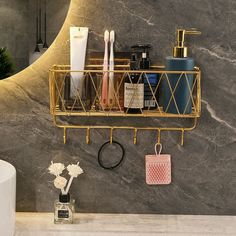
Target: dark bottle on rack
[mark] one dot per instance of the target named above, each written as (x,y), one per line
(133,89)
(150,80)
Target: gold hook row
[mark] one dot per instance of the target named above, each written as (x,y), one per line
(135,130)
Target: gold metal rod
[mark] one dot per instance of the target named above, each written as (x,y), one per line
(127,71)
(182,137)
(135,136)
(111,135)
(88,136)
(101,66)
(125,65)
(199,92)
(159,136)
(125,127)
(157,67)
(65,135)
(50,92)
(53,92)
(121,114)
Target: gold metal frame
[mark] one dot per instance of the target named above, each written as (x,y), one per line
(58,72)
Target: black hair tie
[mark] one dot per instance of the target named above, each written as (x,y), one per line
(113,166)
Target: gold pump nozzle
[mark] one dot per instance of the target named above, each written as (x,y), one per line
(180,50)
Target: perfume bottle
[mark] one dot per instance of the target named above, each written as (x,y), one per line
(64,209)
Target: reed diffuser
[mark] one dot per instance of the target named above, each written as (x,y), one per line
(64,207)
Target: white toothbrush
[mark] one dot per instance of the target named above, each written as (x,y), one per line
(104,96)
(111,89)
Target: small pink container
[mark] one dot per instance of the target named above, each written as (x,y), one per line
(158,168)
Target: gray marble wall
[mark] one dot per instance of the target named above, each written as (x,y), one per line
(203,173)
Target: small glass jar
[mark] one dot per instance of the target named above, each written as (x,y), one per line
(64,209)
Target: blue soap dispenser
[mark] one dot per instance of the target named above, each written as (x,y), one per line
(181,102)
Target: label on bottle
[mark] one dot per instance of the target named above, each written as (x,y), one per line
(63,214)
(134,95)
(149,103)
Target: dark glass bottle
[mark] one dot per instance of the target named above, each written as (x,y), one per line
(150,80)
(133,89)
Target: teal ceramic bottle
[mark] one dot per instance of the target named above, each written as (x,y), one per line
(176,94)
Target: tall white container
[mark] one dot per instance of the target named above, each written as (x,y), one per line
(78,45)
(7,198)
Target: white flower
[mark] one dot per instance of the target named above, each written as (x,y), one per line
(74,170)
(60,182)
(56,168)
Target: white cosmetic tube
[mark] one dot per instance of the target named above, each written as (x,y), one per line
(78,45)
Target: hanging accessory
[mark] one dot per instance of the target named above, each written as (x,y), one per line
(40,41)
(158,168)
(45,45)
(111,167)
(37,29)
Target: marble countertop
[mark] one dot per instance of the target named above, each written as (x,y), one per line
(41,224)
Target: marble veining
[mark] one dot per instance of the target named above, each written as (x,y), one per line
(215,117)
(202,171)
(214,54)
(133,14)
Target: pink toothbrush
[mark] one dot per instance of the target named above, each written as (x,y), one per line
(105,72)
(111,89)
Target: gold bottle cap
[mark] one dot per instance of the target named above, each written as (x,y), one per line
(180,50)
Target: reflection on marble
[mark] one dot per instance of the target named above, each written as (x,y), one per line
(30,224)
(203,170)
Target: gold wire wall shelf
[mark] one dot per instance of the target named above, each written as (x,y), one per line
(88,103)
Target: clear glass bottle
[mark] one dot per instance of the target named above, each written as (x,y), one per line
(64,209)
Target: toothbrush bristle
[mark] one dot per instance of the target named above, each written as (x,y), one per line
(106,36)
(112,36)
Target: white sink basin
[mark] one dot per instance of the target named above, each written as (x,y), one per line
(7,198)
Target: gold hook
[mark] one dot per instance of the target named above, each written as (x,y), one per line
(135,136)
(159,136)
(182,137)
(111,135)
(88,136)
(65,135)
